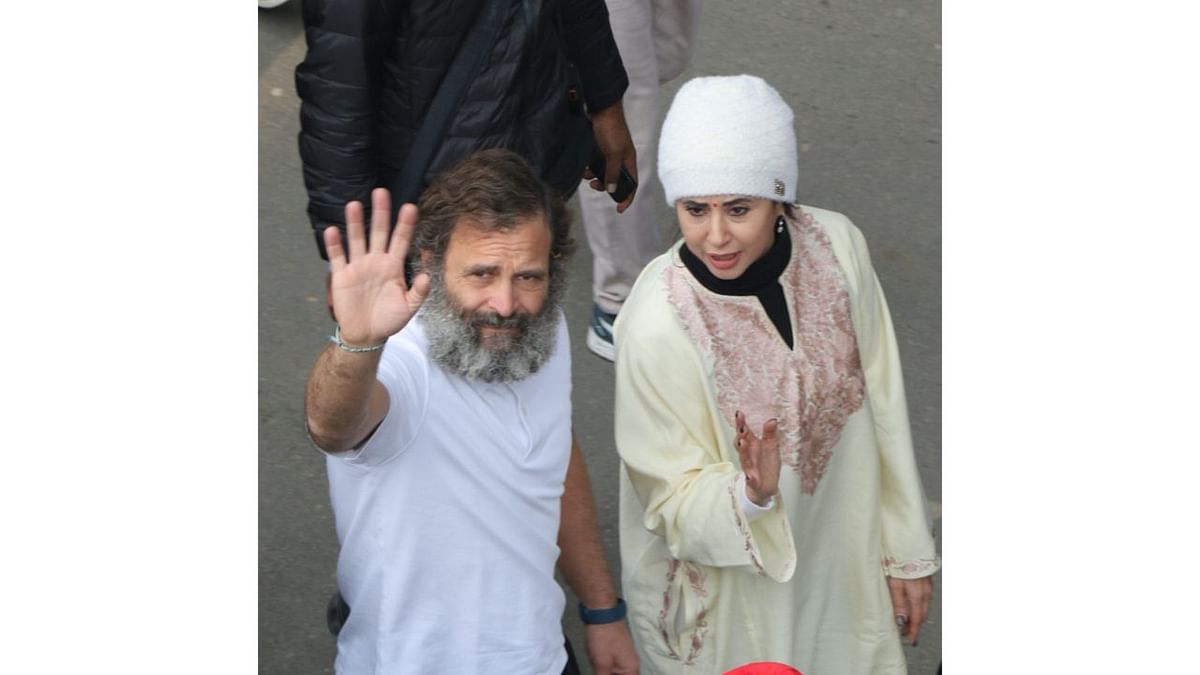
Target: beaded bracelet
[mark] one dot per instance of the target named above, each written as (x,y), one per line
(336,339)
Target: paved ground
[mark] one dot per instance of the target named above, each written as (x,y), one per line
(864,79)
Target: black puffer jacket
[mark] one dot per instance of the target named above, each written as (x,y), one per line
(374,66)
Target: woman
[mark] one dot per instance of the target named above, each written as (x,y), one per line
(770,504)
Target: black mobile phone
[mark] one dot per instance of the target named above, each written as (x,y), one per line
(625,183)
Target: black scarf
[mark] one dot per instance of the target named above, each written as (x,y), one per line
(761,279)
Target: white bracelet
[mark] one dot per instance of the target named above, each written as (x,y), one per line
(336,339)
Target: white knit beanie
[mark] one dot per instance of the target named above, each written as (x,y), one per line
(728,135)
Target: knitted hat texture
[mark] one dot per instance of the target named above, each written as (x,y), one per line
(728,135)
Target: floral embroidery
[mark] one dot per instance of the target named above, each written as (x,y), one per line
(672,569)
(813,389)
(914,568)
(744,529)
(695,581)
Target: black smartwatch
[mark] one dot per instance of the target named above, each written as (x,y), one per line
(593,617)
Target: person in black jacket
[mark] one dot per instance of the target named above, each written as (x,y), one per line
(373,67)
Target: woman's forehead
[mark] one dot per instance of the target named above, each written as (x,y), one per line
(718,200)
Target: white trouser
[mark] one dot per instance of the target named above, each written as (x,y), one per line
(655,41)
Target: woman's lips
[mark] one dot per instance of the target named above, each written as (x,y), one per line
(723,261)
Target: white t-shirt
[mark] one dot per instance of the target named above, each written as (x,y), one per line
(448,520)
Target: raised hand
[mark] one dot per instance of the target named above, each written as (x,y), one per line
(367,291)
(759,457)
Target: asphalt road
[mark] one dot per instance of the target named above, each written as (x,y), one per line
(863,77)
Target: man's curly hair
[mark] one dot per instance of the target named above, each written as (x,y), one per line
(492,190)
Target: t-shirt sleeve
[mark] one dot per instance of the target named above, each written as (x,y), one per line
(404,372)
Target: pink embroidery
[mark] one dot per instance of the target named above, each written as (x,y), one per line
(672,569)
(696,580)
(812,389)
(745,530)
(922,567)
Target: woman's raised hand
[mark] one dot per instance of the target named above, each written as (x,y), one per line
(367,290)
(759,457)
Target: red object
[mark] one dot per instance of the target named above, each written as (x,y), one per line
(763,668)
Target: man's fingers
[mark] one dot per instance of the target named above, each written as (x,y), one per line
(355,239)
(630,163)
(402,234)
(612,171)
(381,211)
(333,247)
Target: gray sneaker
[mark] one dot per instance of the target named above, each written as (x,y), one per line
(600,336)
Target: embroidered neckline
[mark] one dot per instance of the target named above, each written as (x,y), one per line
(812,388)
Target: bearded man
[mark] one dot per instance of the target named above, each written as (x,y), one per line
(455,478)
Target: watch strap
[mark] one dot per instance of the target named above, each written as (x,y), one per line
(593,617)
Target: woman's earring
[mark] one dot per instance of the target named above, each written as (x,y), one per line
(779,223)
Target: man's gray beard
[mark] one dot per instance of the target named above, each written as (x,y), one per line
(454,337)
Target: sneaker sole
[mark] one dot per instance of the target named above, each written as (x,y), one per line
(599,347)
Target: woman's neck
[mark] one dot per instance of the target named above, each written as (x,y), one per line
(758,274)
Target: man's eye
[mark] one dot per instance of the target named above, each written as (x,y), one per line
(739,210)
(695,211)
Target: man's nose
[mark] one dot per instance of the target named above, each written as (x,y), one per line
(503,298)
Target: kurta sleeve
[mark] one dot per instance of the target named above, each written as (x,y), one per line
(676,453)
(908,546)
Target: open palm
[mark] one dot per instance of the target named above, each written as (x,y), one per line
(367,290)
(759,457)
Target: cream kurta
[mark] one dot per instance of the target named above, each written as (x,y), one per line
(803,584)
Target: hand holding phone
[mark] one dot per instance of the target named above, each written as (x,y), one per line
(625,182)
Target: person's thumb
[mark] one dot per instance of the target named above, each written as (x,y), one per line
(418,291)
(770,429)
